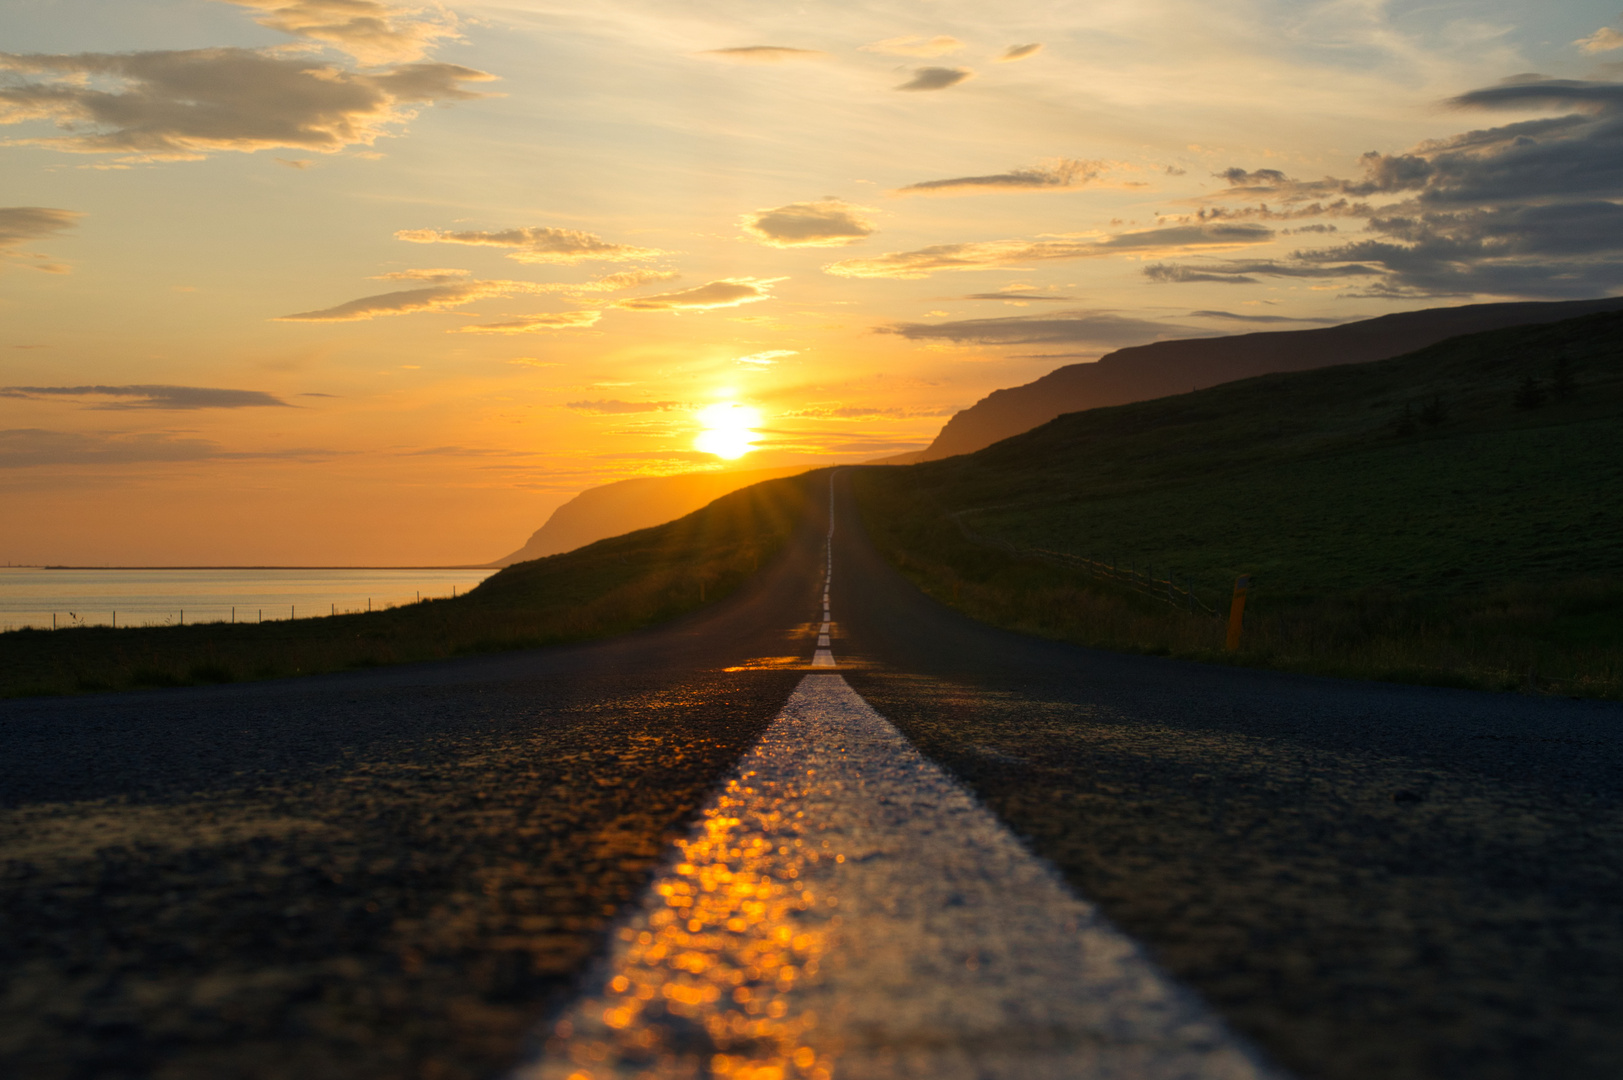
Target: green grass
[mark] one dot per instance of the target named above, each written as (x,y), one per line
(607,588)
(1469,552)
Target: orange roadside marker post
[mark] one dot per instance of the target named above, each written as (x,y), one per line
(1237,610)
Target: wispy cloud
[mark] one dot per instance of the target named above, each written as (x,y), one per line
(1020,52)
(613,407)
(153,396)
(936,78)
(915,45)
(435,297)
(728,292)
(21,224)
(1052,176)
(991,254)
(827,222)
(530,324)
(1249,273)
(371,32)
(762,54)
(1603,40)
(767,358)
(540,244)
(1103,329)
(1230,316)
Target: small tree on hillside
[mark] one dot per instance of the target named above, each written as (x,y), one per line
(1530,394)
(1434,412)
(1406,424)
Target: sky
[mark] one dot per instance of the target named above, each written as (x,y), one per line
(351,282)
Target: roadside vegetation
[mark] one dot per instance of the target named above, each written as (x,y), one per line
(1454,516)
(607,588)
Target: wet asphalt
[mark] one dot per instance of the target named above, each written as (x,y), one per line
(395,873)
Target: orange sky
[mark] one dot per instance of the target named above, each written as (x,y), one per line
(353,282)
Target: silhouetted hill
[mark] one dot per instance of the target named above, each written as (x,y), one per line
(1158,370)
(640,503)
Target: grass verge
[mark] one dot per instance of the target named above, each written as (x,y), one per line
(607,588)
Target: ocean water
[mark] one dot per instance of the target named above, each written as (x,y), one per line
(31,597)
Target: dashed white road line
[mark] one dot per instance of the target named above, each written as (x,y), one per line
(845,909)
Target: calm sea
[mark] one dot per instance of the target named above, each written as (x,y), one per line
(30,597)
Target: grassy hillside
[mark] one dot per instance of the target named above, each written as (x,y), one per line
(1452,515)
(608,588)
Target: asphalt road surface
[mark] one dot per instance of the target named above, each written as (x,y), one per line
(588,861)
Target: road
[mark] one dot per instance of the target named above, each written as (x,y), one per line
(402,872)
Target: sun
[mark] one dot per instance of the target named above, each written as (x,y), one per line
(727,430)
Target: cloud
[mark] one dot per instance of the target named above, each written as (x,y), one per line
(611,407)
(915,45)
(1603,40)
(537,244)
(1099,328)
(728,292)
(34,447)
(20,224)
(990,254)
(1061,173)
(371,32)
(767,358)
(763,54)
(1020,297)
(433,297)
(562,320)
(936,78)
(1234,317)
(155,396)
(1247,273)
(870,412)
(1020,52)
(152,106)
(825,223)
(1530,208)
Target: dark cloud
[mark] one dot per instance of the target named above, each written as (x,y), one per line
(1525,209)
(1101,328)
(825,223)
(1020,52)
(371,32)
(21,224)
(538,244)
(992,253)
(1056,175)
(150,396)
(729,292)
(184,105)
(936,78)
(762,54)
(34,447)
(612,407)
(1248,273)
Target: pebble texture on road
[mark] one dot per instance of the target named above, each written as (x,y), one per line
(845,909)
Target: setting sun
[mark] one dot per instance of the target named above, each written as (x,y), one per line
(728,430)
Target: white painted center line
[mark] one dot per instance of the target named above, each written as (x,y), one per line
(845,909)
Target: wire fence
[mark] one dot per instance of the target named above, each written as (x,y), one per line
(1168,590)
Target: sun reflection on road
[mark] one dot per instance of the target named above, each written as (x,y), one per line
(704,985)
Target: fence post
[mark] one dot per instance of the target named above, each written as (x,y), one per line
(1237,611)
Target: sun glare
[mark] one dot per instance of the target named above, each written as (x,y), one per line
(728,430)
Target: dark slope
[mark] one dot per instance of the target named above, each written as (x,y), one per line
(1175,367)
